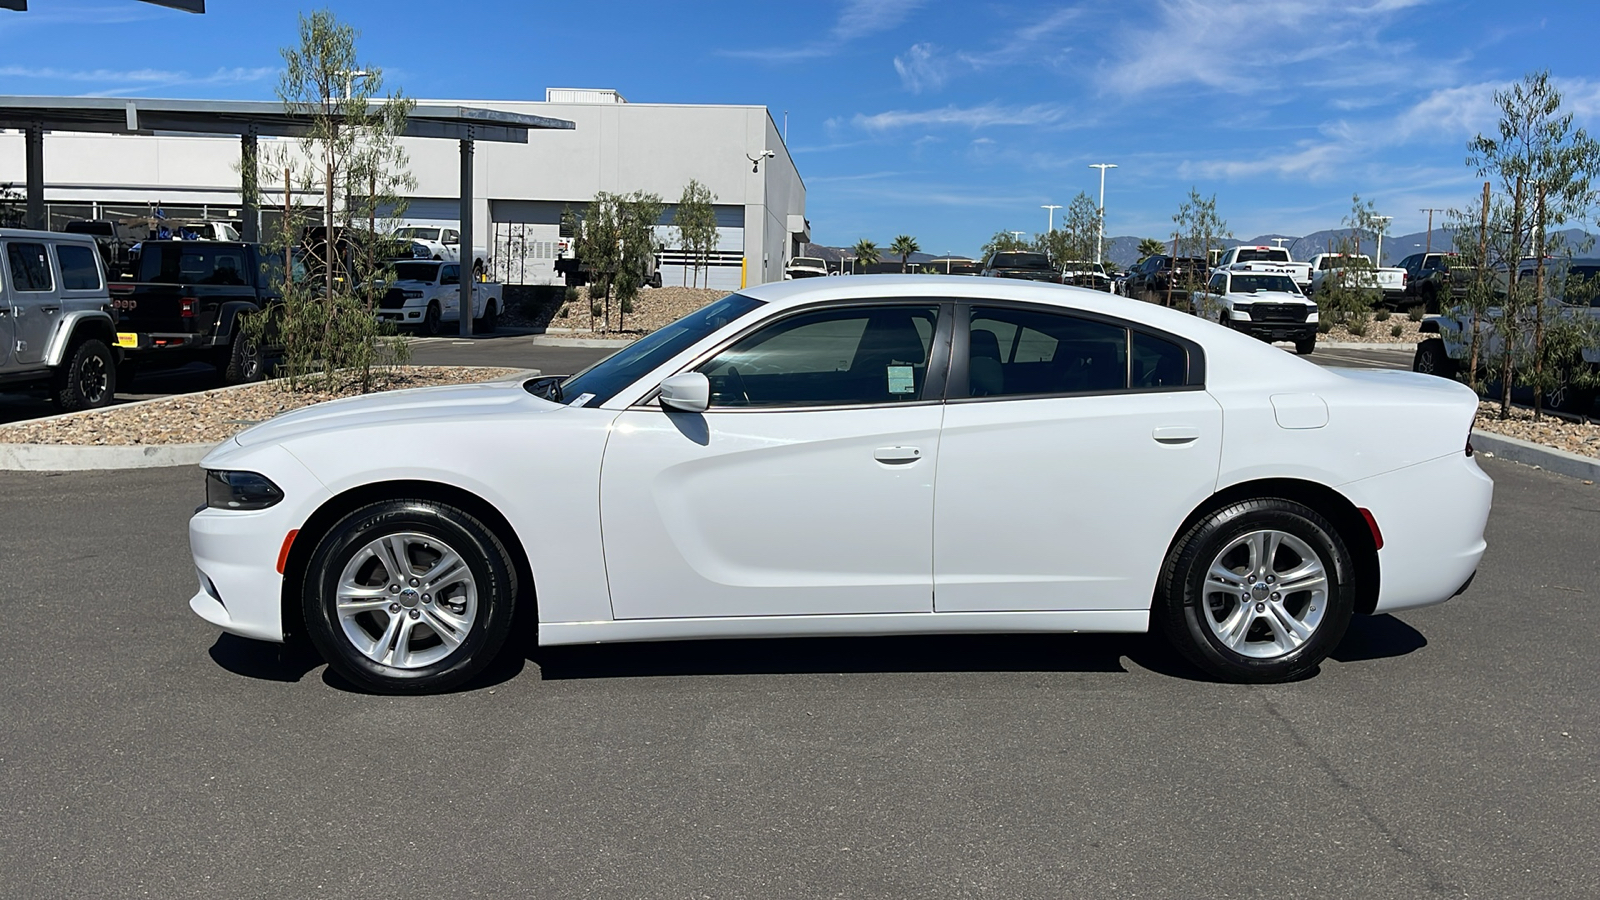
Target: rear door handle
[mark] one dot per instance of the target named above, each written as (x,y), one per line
(897,455)
(1176,434)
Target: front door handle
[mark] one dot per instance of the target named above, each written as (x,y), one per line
(897,456)
(1173,435)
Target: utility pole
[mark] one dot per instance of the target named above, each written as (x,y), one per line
(1052,207)
(1100,241)
(1430,211)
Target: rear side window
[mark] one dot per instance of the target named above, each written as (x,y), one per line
(30,268)
(194,262)
(1012,352)
(79,272)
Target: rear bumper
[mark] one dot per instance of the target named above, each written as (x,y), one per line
(138,343)
(1432,517)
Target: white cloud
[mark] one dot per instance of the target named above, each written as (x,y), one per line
(921,68)
(122,81)
(987,115)
(857,19)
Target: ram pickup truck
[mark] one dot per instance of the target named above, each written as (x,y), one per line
(1277,256)
(805,267)
(424,294)
(56,323)
(442,244)
(1573,291)
(1434,279)
(186,302)
(1262,301)
(1356,270)
(1022,264)
(1085,274)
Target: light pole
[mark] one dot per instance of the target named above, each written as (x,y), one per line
(1018,235)
(1383,224)
(1052,218)
(1100,242)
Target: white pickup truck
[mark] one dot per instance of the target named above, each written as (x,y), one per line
(425,294)
(1276,256)
(443,244)
(1260,300)
(1356,270)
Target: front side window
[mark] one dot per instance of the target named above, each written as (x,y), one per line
(451,275)
(30,268)
(452,237)
(79,271)
(1219,284)
(836,357)
(1012,352)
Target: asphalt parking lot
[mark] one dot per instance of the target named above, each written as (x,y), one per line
(1448,752)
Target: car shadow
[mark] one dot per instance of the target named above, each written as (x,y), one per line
(1099,653)
(1377,637)
(290,663)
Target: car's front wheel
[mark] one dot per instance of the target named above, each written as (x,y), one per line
(86,379)
(1258,591)
(1433,359)
(409,596)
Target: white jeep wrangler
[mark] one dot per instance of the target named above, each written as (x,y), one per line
(56,327)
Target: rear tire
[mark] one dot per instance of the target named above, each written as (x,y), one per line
(490,320)
(243,362)
(86,379)
(1431,359)
(412,621)
(1259,591)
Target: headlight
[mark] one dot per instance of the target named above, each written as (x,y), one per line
(411,295)
(240,490)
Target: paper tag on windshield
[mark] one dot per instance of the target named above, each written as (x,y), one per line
(900,380)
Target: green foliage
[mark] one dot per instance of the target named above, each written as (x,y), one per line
(1351,292)
(1356,325)
(325,327)
(616,241)
(1396,330)
(1149,247)
(1197,230)
(1004,242)
(1078,236)
(1324,324)
(13,207)
(1382,315)
(866,253)
(1416,313)
(696,222)
(903,246)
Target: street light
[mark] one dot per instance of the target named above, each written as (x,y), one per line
(1052,219)
(1099,244)
(1383,222)
(1018,235)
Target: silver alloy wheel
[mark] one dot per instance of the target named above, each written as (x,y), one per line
(93,378)
(406,600)
(1265,594)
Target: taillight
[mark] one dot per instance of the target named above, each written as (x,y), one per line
(187,311)
(1469,443)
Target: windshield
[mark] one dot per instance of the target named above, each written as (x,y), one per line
(421,234)
(1079,265)
(610,375)
(1251,284)
(416,271)
(810,262)
(1020,261)
(1262,254)
(1345,262)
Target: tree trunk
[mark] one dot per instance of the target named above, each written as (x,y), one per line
(1508,327)
(1538,307)
(1479,276)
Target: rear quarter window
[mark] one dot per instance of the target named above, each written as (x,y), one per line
(79,268)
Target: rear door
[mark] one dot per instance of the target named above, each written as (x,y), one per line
(7,330)
(35,299)
(1072,449)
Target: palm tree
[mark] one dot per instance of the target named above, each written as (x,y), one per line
(866,252)
(1149,247)
(904,246)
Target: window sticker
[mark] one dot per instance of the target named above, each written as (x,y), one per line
(900,380)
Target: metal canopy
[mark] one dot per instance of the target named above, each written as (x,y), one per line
(194,6)
(258,117)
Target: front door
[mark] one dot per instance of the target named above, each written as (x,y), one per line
(805,488)
(1069,466)
(450,291)
(35,300)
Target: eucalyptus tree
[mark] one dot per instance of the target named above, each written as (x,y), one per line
(1197,230)
(696,222)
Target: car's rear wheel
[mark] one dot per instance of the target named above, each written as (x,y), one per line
(409,596)
(1432,359)
(1258,591)
(489,321)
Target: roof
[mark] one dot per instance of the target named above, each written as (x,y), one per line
(120,115)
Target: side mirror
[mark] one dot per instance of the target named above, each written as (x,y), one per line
(686,392)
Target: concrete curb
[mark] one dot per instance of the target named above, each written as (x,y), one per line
(83,457)
(1528,453)
(1357,345)
(551,340)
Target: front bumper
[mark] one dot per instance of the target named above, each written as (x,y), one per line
(1278,331)
(401,316)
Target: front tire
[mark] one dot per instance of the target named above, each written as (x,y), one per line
(409,596)
(430,320)
(1432,359)
(1259,591)
(86,379)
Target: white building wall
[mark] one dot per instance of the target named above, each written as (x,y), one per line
(616,147)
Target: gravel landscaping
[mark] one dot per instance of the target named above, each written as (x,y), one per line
(215,416)
(1379,332)
(651,310)
(1582,438)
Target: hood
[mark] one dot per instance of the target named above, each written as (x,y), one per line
(1273,297)
(389,407)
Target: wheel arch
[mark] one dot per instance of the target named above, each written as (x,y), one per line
(336,507)
(79,327)
(1332,505)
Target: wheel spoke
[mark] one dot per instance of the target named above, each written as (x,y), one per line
(447,571)
(349,606)
(450,629)
(1272,540)
(1223,575)
(1236,626)
(1308,576)
(401,655)
(379,651)
(1258,550)
(1288,623)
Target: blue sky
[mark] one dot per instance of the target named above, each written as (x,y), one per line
(945,120)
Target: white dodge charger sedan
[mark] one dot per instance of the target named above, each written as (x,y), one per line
(870,455)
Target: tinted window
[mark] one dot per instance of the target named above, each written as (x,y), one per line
(30,267)
(1251,284)
(610,375)
(1020,261)
(193,262)
(1158,363)
(1024,352)
(421,271)
(833,357)
(79,272)
(452,275)
(1263,254)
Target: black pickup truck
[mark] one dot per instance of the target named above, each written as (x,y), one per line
(185,302)
(1021,264)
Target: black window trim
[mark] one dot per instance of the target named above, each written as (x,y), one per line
(49,265)
(94,259)
(933,386)
(957,381)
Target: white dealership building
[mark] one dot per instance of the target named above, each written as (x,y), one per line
(520,190)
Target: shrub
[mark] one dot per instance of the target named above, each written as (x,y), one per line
(562,313)
(1415,314)
(1324,326)
(1381,315)
(1356,326)
(1396,330)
